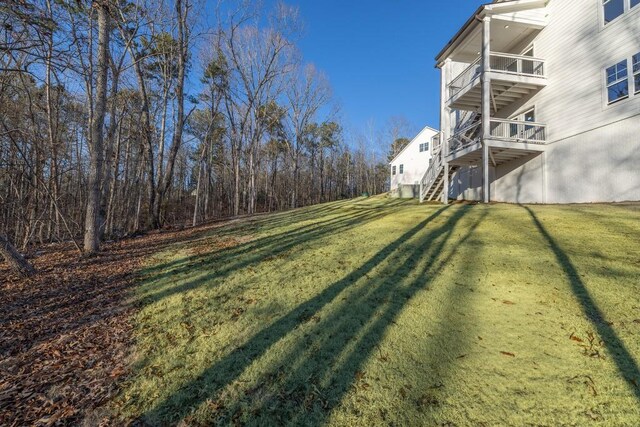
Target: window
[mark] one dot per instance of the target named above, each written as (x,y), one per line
(617,82)
(401,169)
(635,60)
(529,116)
(424,147)
(393,170)
(516,130)
(530,67)
(612,9)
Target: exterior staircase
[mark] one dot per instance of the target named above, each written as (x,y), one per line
(432,183)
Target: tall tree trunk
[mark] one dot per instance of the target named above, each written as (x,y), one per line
(147,134)
(163,129)
(196,206)
(92,220)
(110,159)
(252,181)
(183,43)
(296,179)
(236,184)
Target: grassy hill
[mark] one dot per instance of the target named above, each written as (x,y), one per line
(379,312)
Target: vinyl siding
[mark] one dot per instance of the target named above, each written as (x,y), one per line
(415,163)
(577,50)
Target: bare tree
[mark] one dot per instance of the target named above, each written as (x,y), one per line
(257,62)
(182,8)
(307,92)
(92,221)
(85,111)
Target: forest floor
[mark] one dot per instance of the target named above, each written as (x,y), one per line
(365,312)
(65,333)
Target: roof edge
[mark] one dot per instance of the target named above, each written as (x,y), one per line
(412,141)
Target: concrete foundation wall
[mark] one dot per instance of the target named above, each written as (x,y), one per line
(406,192)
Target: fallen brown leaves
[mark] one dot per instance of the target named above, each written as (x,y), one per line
(65,334)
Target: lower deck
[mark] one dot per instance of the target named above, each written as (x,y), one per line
(500,152)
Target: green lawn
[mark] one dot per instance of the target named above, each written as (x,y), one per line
(379,312)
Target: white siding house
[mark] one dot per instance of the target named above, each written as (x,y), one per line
(540,103)
(410,165)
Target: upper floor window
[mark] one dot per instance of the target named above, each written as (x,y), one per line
(617,82)
(393,170)
(401,169)
(424,147)
(612,9)
(635,60)
(615,8)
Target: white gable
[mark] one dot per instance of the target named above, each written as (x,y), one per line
(414,162)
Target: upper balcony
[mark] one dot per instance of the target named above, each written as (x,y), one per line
(512,77)
(497,43)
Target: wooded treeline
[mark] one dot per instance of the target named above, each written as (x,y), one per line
(118,117)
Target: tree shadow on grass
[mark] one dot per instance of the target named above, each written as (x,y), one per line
(243,229)
(292,217)
(624,360)
(253,252)
(318,369)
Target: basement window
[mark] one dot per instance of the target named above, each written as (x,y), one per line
(617,82)
(635,60)
(612,9)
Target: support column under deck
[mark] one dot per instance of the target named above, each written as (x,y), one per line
(445,126)
(486,106)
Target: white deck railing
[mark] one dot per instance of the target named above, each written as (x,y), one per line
(465,78)
(465,137)
(501,62)
(430,176)
(519,131)
(517,64)
(506,130)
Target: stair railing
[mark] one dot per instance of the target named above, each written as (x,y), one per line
(465,137)
(430,176)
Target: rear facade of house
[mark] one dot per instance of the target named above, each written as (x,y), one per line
(540,103)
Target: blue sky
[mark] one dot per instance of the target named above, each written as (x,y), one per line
(379,54)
